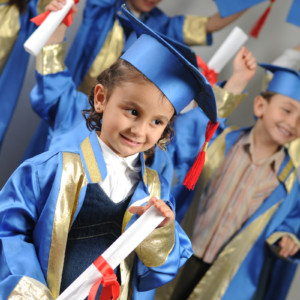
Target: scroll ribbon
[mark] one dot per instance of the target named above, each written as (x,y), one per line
(209,74)
(111,287)
(38,20)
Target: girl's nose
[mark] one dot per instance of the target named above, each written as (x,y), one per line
(139,129)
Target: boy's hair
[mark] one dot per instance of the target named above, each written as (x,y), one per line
(120,72)
(268,95)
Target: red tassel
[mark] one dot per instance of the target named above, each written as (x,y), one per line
(210,75)
(256,29)
(193,174)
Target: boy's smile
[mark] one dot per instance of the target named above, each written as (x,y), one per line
(134,117)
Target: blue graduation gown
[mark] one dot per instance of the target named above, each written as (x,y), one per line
(285,219)
(40,202)
(12,76)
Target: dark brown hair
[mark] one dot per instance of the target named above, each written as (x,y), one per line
(268,95)
(120,72)
(21,4)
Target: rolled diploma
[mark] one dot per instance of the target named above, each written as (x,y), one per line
(228,49)
(115,254)
(38,39)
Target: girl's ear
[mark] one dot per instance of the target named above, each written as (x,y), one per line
(99,98)
(260,104)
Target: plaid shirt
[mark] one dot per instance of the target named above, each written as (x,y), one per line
(235,192)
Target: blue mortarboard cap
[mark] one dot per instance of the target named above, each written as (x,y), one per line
(285,81)
(230,7)
(294,14)
(178,79)
(184,50)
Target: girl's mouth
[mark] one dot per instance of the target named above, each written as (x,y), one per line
(130,142)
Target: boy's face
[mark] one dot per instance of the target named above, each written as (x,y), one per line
(142,6)
(134,118)
(280,118)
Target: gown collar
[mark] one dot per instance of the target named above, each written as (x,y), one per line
(93,161)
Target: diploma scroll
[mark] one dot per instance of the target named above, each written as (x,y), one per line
(115,254)
(41,35)
(228,49)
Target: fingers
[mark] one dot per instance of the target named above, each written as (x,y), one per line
(294,250)
(55,5)
(250,61)
(74,10)
(242,52)
(139,210)
(160,205)
(288,247)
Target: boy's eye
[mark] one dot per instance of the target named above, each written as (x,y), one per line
(156,122)
(133,112)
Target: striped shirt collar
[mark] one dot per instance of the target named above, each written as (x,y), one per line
(276,159)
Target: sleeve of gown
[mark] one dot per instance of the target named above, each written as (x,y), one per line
(54,97)
(21,275)
(226,103)
(9,29)
(290,226)
(161,255)
(190,30)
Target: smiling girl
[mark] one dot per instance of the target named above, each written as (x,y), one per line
(62,209)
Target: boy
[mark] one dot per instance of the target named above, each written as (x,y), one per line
(250,196)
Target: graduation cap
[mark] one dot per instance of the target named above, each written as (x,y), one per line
(178,79)
(230,7)
(285,81)
(183,49)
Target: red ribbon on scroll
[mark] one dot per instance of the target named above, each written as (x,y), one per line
(38,20)
(209,74)
(111,287)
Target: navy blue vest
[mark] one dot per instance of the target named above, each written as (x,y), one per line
(97,226)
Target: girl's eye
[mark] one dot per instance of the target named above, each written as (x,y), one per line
(133,112)
(157,122)
(286,110)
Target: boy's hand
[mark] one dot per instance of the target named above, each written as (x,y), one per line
(288,247)
(160,205)
(59,34)
(244,64)
(244,68)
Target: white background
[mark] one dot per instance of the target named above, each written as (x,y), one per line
(276,36)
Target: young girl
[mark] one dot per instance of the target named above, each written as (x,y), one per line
(60,210)
(104,35)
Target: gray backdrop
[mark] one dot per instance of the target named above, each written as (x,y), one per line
(276,36)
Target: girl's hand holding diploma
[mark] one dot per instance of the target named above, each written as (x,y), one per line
(59,34)
(160,205)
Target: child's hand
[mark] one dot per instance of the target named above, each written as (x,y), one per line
(288,247)
(160,205)
(244,68)
(244,65)
(59,34)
